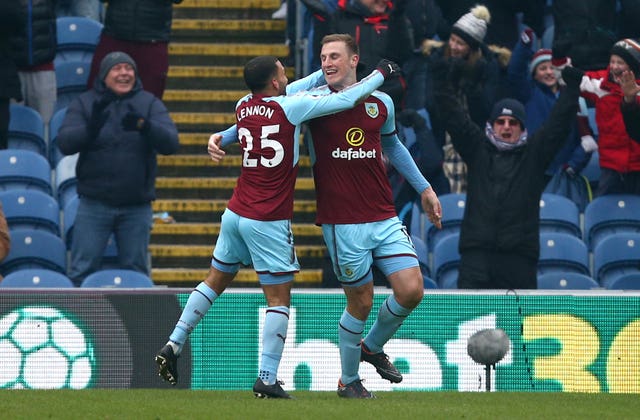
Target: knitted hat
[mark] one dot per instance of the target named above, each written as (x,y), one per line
(472,27)
(629,50)
(111,60)
(508,107)
(539,57)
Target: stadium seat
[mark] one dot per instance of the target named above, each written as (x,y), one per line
(66,181)
(26,130)
(71,81)
(630,281)
(611,214)
(566,281)
(117,278)
(429,283)
(31,209)
(36,277)
(559,214)
(423,254)
(446,260)
(24,169)
(55,155)
(562,252)
(34,249)
(615,256)
(77,38)
(452,215)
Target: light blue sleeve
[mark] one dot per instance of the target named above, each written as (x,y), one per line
(305,106)
(230,135)
(395,151)
(313,80)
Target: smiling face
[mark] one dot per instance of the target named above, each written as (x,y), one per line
(507,129)
(338,65)
(458,47)
(544,74)
(616,66)
(121,78)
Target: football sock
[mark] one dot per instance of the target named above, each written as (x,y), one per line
(274,335)
(390,318)
(199,302)
(349,335)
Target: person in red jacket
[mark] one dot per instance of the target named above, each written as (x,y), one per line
(619,154)
(630,106)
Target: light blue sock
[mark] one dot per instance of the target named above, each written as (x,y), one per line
(349,336)
(274,335)
(199,302)
(390,317)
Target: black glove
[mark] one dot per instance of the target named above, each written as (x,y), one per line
(572,75)
(410,118)
(98,115)
(134,121)
(388,68)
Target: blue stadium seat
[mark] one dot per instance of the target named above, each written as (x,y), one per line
(26,129)
(615,256)
(562,252)
(630,281)
(446,260)
(452,215)
(36,277)
(117,278)
(77,38)
(55,155)
(71,81)
(66,181)
(31,209)
(429,283)
(24,169)
(566,281)
(34,249)
(423,254)
(611,214)
(559,214)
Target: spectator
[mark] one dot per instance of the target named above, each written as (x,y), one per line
(630,106)
(5,237)
(505,18)
(534,82)
(586,29)
(142,29)
(9,80)
(83,8)
(499,238)
(118,129)
(256,227)
(381,30)
(479,82)
(619,154)
(34,48)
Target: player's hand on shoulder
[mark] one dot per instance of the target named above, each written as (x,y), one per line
(213,147)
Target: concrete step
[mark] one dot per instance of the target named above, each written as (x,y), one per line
(206,211)
(203,121)
(221,54)
(229,30)
(178,255)
(191,277)
(208,77)
(218,187)
(195,100)
(206,233)
(225,9)
(202,165)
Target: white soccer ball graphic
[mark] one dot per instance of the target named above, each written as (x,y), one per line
(42,348)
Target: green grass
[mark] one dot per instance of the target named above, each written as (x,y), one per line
(184,404)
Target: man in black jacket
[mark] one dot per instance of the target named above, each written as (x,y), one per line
(630,105)
(9,80)
(117,128)
(499,238)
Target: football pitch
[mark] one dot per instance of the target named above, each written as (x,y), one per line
(186,404)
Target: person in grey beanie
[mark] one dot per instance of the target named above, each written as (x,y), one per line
(499,237)
(117,128)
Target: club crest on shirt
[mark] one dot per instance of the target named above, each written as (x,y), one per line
(372,109)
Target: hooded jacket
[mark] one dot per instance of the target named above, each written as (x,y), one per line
(139,20)
(36,43)
(117,167)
